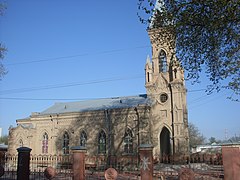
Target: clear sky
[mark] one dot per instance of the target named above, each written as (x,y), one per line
(71,50)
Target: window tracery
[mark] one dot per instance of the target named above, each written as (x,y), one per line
(102,142)
(65,143)
(128,141)
(45,143)
(83,139)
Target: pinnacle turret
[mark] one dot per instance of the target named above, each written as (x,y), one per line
(148,62)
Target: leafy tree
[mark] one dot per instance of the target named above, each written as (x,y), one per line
(207,37)
(4,140)
(214,140)
(2,48)
(195,137)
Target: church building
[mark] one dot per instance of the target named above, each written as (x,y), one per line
(117,126)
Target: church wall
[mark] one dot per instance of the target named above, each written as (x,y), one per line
(20,136)
(74,123)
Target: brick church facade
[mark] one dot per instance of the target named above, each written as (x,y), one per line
(117,126)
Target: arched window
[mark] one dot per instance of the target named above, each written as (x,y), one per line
(162,61)
(102,142)
(65,143)
(20,143)
(45,143)
(128,141)
(83,139)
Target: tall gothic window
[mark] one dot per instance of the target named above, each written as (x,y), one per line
(102,142)
(20,143)
(45,143)
(83,139)
(128,141)
(162,61)
(65,143)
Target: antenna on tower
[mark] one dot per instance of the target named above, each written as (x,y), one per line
(226,134)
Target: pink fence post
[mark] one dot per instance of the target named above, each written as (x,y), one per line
(79,162)
(23,170)
(146,161)
(231,159)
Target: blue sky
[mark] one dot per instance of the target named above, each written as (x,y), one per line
(63,50)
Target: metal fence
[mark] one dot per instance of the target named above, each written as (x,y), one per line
(204,166)
(38,164)
(126,166)
(212,159)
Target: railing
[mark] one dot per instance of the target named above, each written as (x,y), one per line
(212,159)
(38,163)
(127,166)
(203,165)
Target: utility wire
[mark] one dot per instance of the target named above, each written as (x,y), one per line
(48,99)
(196,90)
(63,99)
(77,55)
(204,98)
(199,98)
(56,86)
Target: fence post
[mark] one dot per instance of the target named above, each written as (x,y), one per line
(79,162)
(146,161)
(231,159)
(23,170)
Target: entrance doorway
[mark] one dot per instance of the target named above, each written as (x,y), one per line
(165,144)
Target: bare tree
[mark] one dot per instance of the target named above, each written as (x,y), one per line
(4,140)
(195,137)
(2,47)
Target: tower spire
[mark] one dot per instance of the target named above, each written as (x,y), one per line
(159,7)
(148,60)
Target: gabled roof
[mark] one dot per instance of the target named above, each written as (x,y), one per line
(97,104)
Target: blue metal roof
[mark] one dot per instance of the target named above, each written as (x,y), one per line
(97,104)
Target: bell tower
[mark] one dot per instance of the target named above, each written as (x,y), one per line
(165,85)
(163,66)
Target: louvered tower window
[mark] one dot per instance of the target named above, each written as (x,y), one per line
(162,61)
